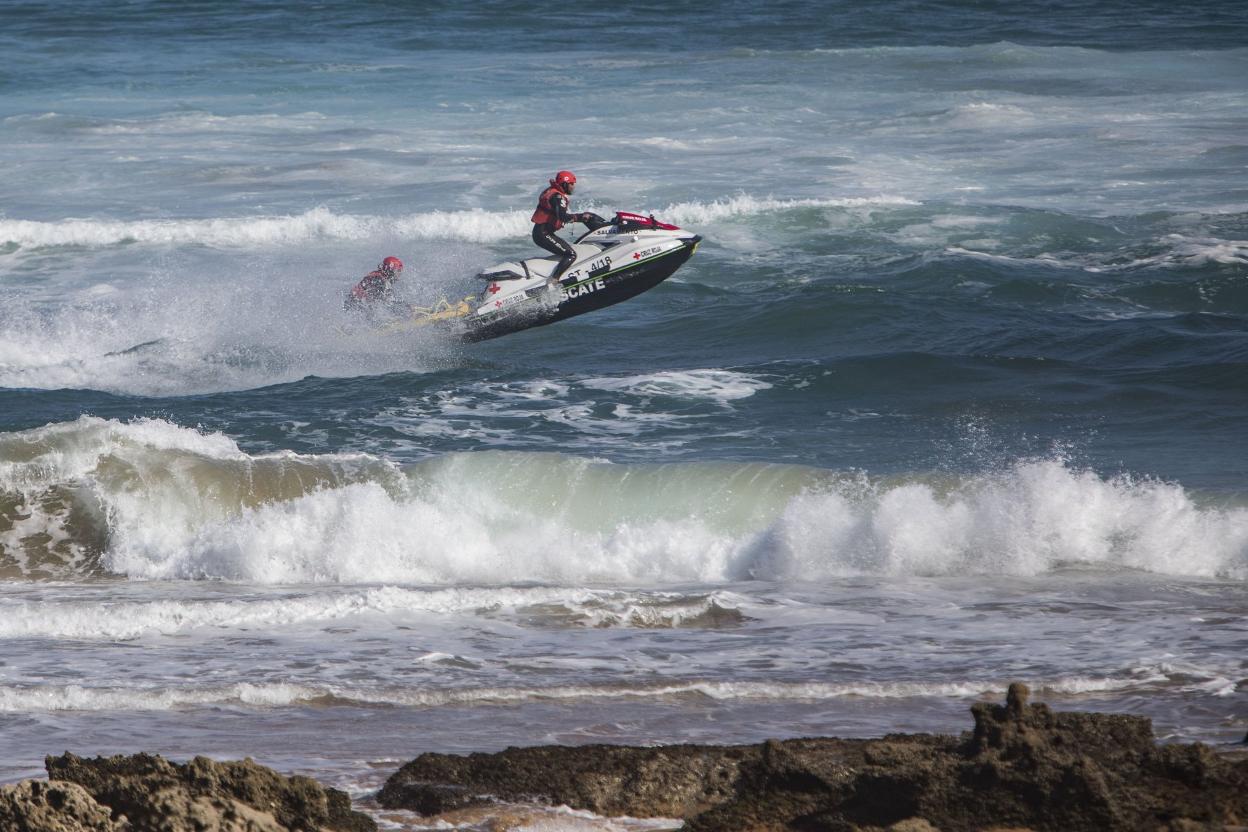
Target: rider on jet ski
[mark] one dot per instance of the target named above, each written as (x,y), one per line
(375,289)
(552,214)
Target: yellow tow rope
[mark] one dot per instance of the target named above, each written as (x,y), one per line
(443,310)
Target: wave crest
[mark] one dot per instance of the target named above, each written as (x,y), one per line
(476,226)
(151,500)
(17,699)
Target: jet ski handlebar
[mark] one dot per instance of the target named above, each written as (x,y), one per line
(627,219)
(592,221)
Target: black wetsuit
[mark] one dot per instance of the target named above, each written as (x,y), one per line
(374,291)
(544,234)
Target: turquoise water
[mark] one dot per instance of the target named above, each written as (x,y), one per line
(952,393)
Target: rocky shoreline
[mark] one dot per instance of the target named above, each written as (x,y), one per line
(145,793)
(1023,767)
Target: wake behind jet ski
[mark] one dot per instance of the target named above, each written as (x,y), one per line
(616,260)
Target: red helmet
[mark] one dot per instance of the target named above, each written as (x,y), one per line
(393,265)
(565,180)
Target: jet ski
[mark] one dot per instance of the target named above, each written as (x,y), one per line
(615,260)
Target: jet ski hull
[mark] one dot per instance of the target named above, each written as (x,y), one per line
(586,292)
(616,260)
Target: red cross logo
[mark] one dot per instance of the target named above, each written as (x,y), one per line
(497,303)
(494,287)
(636,255)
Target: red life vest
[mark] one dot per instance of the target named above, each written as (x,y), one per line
(371,286)
(546,213)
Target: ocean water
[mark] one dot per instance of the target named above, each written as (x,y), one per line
(952,395)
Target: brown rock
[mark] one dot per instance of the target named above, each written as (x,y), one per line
(913,825)
(673,781)
(39,806)
(155,794)
(1023,767)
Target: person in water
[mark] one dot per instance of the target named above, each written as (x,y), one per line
(551,215)
(375,289)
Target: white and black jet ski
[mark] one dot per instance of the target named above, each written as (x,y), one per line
(615,260)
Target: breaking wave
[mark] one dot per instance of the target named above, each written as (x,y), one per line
(74,697)
(110,619)
(477,226)
(152,500)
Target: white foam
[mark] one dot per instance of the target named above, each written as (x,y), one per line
(565,819)
(694,213)
(1177,250)
(361,533)
(653,611)
(180,123)
(591,422)
(16,699)
(252,232)
(1047,259)
(181,504)
(718,385)
(187,330)
(150,480)
(19,699)
(114,620)
(477,226)
(477,410)
(985,114)
(1032,518)
(1199,251)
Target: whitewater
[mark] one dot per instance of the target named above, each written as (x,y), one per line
(950,396)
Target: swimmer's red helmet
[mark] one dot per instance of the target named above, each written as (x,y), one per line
(391,266)
(565,180)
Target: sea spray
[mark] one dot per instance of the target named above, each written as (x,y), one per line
(173,503)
